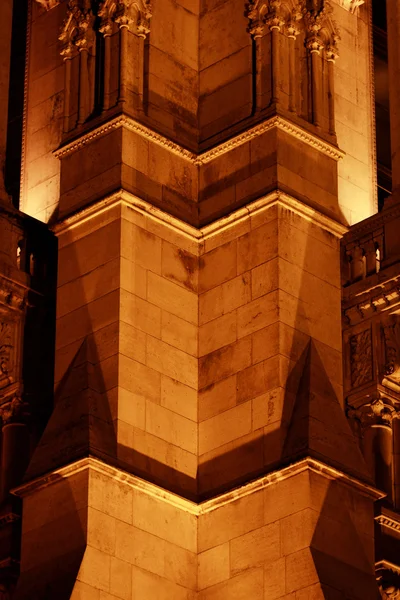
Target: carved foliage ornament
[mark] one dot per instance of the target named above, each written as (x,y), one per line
(317,15)
(6,353)
(377,412)
(77,30)
(360,358)
(391,334)
(14,410)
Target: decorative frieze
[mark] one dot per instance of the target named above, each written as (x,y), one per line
(361,358)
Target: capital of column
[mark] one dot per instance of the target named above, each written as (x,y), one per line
(376,413)
(14,410)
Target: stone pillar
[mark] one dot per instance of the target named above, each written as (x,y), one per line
(15,449)
(6,9)
(393,28)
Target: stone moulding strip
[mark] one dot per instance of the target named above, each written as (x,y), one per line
(387,565)
(155,491)
(201,235)
(379,298)
(208,156)
(388,522)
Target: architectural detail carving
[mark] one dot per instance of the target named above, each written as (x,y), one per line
(14,411)
(377,412)
(391,335)
(77,29)
(256,12)
(133,14)
(361,358)
(351,5)
(48,4)
(6,353)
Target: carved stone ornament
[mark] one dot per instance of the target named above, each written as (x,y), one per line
(77,30)
(6,353)
(377,412)
(360,358)
(391,335)
(14,411)
(318,17)
(351,5)
(48,5)
(134,14)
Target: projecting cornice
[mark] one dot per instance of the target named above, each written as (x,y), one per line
(48,4)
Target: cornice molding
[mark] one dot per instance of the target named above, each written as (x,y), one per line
(390,523)
(208,156)
(199,236)
(374,300)
(196,509)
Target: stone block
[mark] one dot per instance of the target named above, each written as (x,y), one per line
(180,266)
(257,314)
(213,566)
(225,427)
(173,298)
(300,570)
(139,548)
(140,247)
(139,313)
(120,578)
(131,408)
(139,379)
(274,579)
(230,521)
(247,584)
(217,266)
(258,379)
(95,569)
(258,246)
(268,408)
(265,278)
(133,278)
(83,591)
(172,362)
(111,497)
(254,549)
(217,398)
(101,531)
(179,398)
(149,585)
(172,427)
(217,333)
(224,362)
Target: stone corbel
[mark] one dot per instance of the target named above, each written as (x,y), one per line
(48,4)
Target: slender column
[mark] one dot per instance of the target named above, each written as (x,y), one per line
(292,32)
(67,92)
(314,48)
(107,71)
(123,54)
(375,420)
(393,28)
(275,63)
(83,84)
(331,58)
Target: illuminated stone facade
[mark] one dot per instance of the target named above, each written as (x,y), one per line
(224,335)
